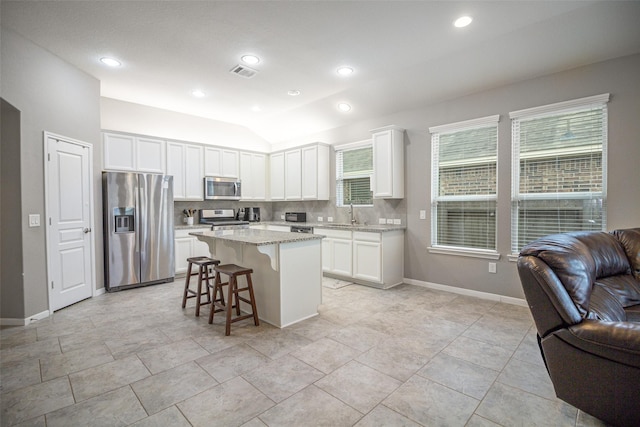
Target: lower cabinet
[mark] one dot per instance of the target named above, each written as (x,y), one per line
(369,258)
(187,246)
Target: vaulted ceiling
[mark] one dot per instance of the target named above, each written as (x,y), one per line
(404,54)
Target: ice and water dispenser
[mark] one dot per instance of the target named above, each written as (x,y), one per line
(124,220)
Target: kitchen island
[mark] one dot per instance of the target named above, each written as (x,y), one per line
(287,269)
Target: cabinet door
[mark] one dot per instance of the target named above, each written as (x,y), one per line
(342,254)
(183,250)
(212,161)
(382,164)
(259,176)
(175,167)
(367,261)
(246,176)
(293,175)
(230,164)
(119,152)
(150,155)
(277,176)
(327,254)
(310,173)
(193,173)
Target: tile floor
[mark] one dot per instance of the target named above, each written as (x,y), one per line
(406,356)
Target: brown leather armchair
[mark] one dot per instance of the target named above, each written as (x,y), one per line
(583,290)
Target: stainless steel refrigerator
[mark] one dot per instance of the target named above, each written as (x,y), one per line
(138,229)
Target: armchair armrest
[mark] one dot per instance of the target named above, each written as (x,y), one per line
(616,341)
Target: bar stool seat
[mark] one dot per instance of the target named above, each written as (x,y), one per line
(204,264)
(233,297)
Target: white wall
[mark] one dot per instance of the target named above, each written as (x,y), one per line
(52,96)
(141,119)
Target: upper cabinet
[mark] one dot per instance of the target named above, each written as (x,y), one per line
(185,163)
(221,162)
(301,173)
(132,153)
(292,175)
(276,161)
(315,172)
(388,162)
(253,170)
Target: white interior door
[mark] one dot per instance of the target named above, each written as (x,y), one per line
(69,222)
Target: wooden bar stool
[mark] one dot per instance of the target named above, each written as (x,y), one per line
(233,297)
(204,264)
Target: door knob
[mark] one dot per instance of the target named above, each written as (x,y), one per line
(86,230)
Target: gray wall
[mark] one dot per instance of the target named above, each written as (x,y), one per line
(619,77)
(11,288)
(52,96)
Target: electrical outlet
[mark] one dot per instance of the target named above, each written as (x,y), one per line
(382,221)
(320,219)
(423,214)
(330,218)
(34,220)
(389,221)
(492,267)
(282,217)
(397,222)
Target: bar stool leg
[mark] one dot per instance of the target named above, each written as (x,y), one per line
(256,321)
(186,287)
(201,271)
(233,286)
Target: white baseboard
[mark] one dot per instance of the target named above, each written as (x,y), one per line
(99,292)
(468,292)
(25,322)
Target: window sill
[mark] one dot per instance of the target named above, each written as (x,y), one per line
(473,253)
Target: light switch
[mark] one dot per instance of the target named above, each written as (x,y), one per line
(397,221)
(34,220)
(423,214)
(320,219)
(330,219)
(382,221)
(389,220)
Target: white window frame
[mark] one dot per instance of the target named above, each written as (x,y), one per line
(436,131)
(597,101)
(367,143)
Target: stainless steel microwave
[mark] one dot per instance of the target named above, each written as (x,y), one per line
(218,188)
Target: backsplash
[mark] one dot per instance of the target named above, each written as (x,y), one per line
(272,211)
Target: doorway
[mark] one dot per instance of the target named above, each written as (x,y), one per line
(69,220)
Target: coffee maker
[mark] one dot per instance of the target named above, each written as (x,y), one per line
(248,214)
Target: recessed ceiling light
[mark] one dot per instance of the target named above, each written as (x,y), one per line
(463,21)
(111,62)
(198,93)
(250,59)
(293,92)
(345,71)
(344,107)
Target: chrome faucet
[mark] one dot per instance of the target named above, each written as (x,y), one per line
(352,213)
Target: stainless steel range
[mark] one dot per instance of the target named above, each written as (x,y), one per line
(221,219)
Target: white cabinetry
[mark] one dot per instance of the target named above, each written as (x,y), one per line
(370,258)
(277,176)
(292,175)
(184,162)
(315,172)
(187,246)
(221,162)
(136,154)
(388,162)
(336,251)
(253,176)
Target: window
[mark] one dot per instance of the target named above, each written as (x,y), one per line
(558,169)
(354,168)
(464,184)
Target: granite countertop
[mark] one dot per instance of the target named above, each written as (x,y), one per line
(337,226)
(257,237)
(192,227)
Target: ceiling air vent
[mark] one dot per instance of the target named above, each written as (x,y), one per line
(244,71)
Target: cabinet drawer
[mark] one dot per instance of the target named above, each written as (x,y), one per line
(184,232)
(336,234)
(367,236)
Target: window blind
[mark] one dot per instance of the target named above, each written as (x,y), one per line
(464,184)
(354,168)
(558,171)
